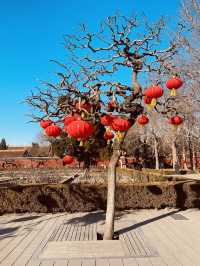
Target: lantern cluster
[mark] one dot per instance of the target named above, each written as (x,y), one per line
(51,130)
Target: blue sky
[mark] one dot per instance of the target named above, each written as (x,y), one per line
(31,34)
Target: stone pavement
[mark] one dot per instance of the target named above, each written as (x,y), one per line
(146,237)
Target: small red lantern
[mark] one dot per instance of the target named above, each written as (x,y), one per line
(112,104)
(173,84)
(176,120)
(154,92)
(143,120)
(106,120)
(68,159)
(80,129)
(53,131)
(147,100)
(45,123)
(108,135)
(71,118)
(86,106)
(120,124)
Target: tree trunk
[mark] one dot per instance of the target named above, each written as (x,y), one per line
(190,151)
(184,159)
(193,158)
(174,154)
(156,153)
(110,211)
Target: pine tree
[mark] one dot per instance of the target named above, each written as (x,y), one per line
(3,145)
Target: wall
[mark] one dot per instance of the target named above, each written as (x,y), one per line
(20,162)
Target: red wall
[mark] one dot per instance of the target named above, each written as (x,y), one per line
(14,163)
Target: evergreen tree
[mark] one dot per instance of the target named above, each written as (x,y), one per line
(3,145)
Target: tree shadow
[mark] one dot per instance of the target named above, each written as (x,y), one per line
(88,196)
(154,189)
(49,202)
(91,218)
(23,219)
(5,232)
(140,224)
(195,187)
(181,195)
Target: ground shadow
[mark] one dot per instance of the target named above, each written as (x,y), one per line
(195,188)
(8,230)
(50,203)
(23,219)
(154,189)
(137,225)
(181,195)
(91,218)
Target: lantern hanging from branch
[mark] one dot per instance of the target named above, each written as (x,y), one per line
(120,125)
(71,118)
(142,120)
(45,123)
(173,84)
(85,106)
(108,135)
(68,159)
(175,121)
(107,120)
(112,105)
(154,92)
(147,101)
(53,131)
(80,130)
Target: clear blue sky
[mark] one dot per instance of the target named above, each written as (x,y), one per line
(31,34)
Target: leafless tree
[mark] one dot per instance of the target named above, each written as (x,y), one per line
(98,64)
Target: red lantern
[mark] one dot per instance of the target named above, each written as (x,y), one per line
(80,129)
(106,120)
(176,120)
(147,100)
(120,124)
(71,118)
(108,135)
(45,123)
(173,84)
(85,106)
(112,104)
(68,159)
(154,92)
(143,120)
(53,131)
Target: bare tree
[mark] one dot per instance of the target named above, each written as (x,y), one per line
(125,45)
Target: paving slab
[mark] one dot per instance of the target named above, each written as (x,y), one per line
(83,249)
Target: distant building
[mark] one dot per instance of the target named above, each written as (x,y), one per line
(29,151)
(15,153)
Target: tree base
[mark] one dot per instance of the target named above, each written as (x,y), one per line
(115,236)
